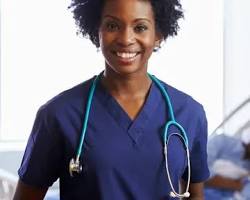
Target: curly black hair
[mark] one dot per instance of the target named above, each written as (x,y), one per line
(87,14)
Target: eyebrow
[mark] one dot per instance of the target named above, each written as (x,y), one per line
(137,19)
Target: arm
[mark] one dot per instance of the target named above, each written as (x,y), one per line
(27,192)
(42,159)
(195,189)
(224,183)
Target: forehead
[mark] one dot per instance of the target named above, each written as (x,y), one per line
(128,9)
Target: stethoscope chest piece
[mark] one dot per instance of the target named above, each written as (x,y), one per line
(74,167)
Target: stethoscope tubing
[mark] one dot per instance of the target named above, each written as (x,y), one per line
(171,113)
(173,193)
(86,117)
(74,165)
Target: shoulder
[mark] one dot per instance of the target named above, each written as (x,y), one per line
(70,99)
(183,102)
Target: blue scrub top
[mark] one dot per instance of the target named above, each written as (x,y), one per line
(122,158)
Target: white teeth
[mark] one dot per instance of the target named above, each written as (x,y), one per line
(125,55)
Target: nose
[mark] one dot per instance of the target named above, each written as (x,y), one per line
(126,37)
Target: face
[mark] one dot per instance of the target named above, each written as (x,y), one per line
(127,35)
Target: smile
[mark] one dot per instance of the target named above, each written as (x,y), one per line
(126,55)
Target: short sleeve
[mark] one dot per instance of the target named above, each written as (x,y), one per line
(198,152)
(42,159)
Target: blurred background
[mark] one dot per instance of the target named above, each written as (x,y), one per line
(41,55)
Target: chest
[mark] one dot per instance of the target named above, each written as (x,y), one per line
(127,154)
(131,148)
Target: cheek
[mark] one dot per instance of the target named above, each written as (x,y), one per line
(104,42)
(148,47)
(149,43)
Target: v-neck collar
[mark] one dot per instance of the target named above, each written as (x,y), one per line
(134,128)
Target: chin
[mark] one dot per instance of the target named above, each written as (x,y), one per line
(128,70)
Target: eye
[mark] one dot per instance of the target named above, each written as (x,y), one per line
(140,28)
(111,26)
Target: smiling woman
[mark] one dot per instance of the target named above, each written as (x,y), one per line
(122,147)
(154,135)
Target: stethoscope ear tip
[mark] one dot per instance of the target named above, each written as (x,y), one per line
(172,194)
(186,194)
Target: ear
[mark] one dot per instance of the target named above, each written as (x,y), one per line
(158,39)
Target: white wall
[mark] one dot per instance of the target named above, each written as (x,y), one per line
(236,60)
(193,61)
(41,56)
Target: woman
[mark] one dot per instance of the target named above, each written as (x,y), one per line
(122,152)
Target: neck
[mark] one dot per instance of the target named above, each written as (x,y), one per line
(124,86)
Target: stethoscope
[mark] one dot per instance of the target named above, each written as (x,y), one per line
(76,167)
